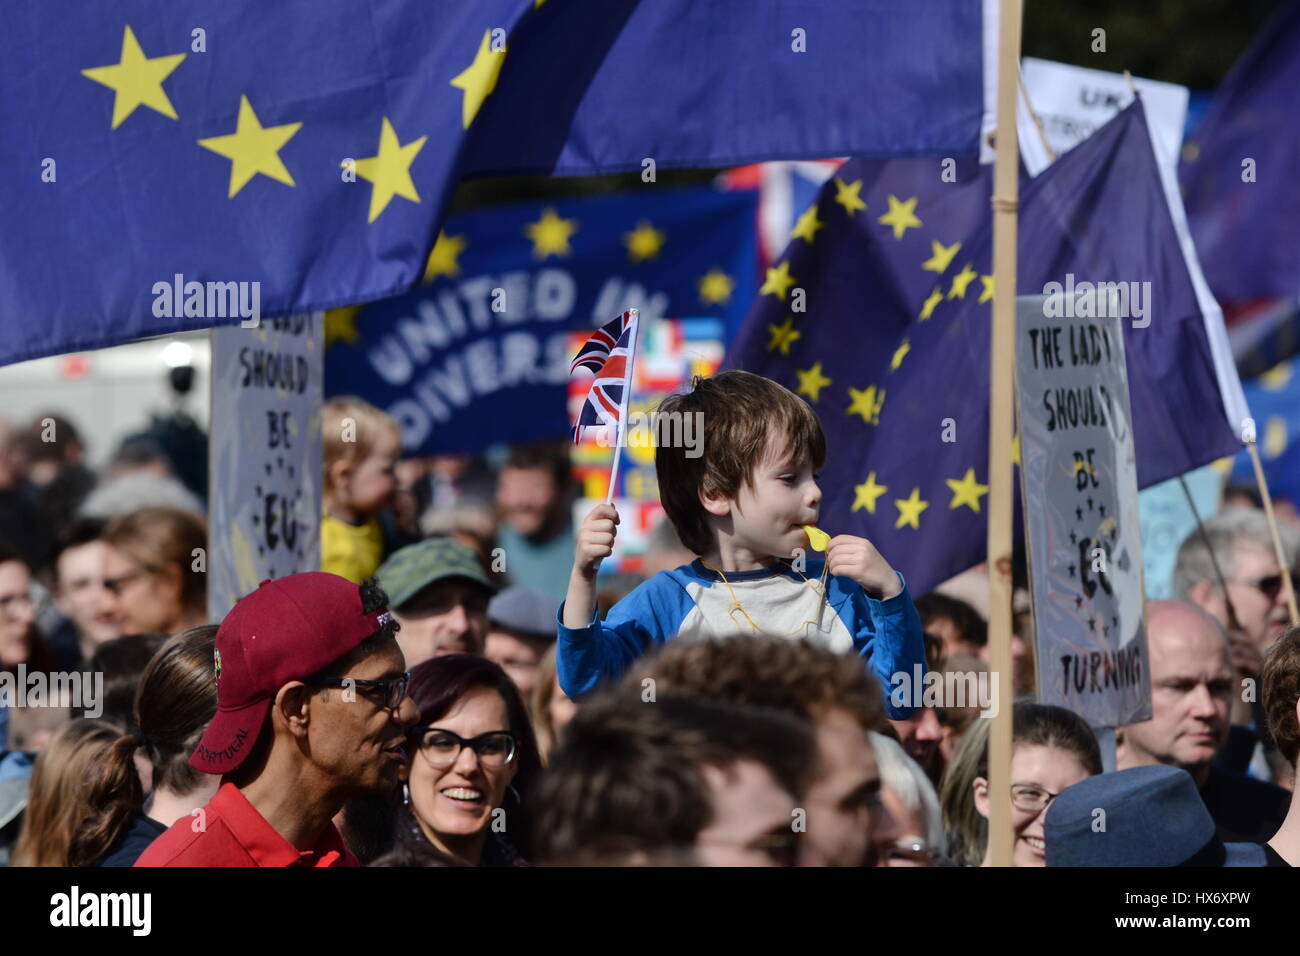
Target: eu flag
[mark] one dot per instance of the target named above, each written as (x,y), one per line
(170,169)
(893,265)
(1239,170)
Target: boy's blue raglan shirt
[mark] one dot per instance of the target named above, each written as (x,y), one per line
(693,602)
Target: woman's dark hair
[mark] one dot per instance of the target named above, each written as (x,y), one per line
(123,661)
(176,701)
(436,686)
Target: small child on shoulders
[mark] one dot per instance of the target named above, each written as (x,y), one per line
(741,504)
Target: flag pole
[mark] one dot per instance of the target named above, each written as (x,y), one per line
(1002,357)
(622,407)
(1282,564)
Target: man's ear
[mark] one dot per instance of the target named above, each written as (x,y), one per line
(293,704)
(1206,595)
(715,503)
(981,788)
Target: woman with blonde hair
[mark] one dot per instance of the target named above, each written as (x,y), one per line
(155,570)
(1052,748)
(550,708)
(61,826)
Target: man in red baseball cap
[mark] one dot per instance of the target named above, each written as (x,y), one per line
(311,711)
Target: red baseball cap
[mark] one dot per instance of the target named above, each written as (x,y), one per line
(288,629)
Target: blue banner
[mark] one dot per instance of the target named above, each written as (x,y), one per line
(481,353)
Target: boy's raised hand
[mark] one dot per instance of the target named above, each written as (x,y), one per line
(595,539)
(857,558)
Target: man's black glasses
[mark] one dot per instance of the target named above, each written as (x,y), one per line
(394,688)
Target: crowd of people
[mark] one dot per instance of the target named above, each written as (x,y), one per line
(459,686)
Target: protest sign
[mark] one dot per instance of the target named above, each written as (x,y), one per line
(480,355)
(1072,102)
(264,510)
(1081,509)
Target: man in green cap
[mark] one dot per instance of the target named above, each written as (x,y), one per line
(439,592)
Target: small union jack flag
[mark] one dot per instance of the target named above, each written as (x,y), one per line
(609,354)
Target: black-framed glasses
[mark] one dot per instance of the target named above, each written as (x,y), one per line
(441,748)
(1031,799)
(393,688)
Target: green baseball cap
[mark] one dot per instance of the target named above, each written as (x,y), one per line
(410,570)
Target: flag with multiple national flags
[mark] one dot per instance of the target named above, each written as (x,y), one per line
(879,316)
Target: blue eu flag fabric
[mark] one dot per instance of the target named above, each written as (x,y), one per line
(481,352)
(893,264)
(1274,399)
(170,169)
(1239,170)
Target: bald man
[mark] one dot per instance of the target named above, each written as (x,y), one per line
(1192,688)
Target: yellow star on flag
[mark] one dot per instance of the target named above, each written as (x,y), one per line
(444,258)
(643,242)
(716,287)
(967,491)
(1277,378)
(941,256)
(783,336)
(901,216)
(846,194)
(928,307)
(479,78)
(865,494)
(253,148)
(807,225)
(909,509)
(1015,448)
(341,325)
(987,294)
(551,234)
(778,281)
(899,353)
(136,80)
(389,173)
(867,403)
(812,381)
(960,281)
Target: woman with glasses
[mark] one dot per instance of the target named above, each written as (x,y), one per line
(152,572)
(473,762)
(1052,748)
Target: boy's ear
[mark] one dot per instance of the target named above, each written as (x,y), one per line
(715,503)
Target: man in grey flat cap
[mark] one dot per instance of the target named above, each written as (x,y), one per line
(521,626)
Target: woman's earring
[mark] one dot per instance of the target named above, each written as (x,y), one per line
(406,795)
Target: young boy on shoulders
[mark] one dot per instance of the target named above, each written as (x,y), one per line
(740,503)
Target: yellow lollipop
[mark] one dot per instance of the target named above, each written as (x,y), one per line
(817,537)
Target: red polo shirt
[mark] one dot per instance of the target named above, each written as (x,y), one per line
(235,834)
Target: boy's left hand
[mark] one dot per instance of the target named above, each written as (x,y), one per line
(857,558)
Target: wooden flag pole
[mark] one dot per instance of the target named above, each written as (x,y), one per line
(1002,357)
(622,407)
(1282,563)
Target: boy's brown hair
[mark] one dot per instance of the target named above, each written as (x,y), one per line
(368,422)
(742,416)
(1280,689)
